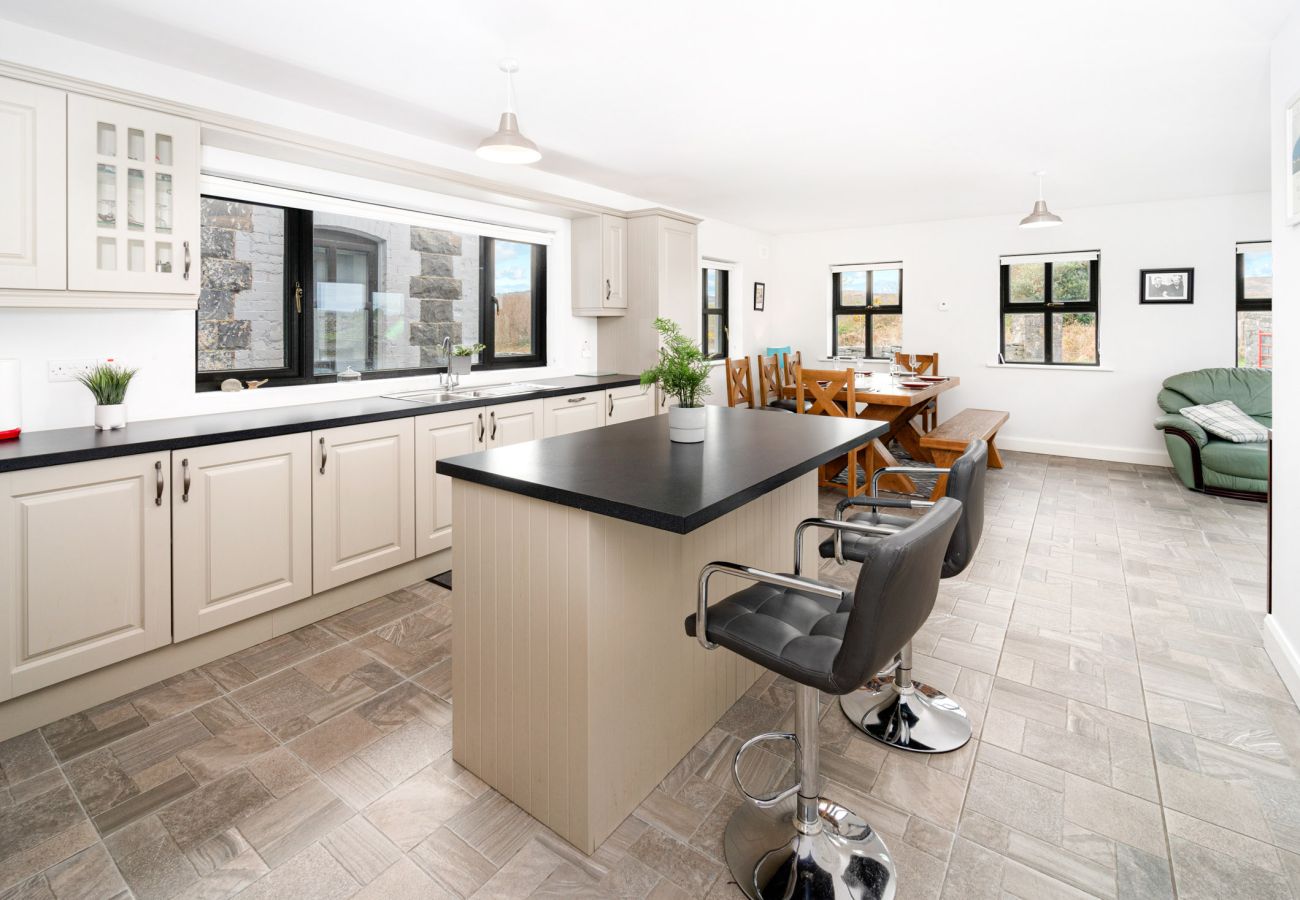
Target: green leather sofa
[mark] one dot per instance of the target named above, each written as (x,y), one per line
(1203,461)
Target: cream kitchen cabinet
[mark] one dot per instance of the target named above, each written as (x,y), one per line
(241,531)
(575,412)
(514,423)
(85,567)
(599,265)
(33,216)
(437,437)
(455,433)
(133,199)
(624,404)
(363,500)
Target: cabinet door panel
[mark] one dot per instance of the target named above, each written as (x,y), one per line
(627,403)
(33,148)
(614,257)
(437,437)
(133,199)
(514,423)
(85,568)
(363,503)
(576,412)
(241,531)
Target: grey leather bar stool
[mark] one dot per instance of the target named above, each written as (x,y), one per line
(795,843)
(896,710)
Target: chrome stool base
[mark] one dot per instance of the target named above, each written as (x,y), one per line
(921,719)
(772,860)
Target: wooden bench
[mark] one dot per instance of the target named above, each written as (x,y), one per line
(949,440)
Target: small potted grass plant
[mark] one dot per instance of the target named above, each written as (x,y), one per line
(462,358)
(108,383)
(682,372)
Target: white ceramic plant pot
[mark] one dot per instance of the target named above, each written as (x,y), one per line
(109,417)
(686,424)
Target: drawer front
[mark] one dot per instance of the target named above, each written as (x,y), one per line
(575,412)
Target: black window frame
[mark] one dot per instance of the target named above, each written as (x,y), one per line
(870,310)
(1047,309)
(299,318)
(1244,304)
(722,311)
(487,307)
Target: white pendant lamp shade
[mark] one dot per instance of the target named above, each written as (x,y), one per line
(507,144)
(1041,217)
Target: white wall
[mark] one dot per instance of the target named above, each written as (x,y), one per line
(1282,628)
(1101,414)
(749,256)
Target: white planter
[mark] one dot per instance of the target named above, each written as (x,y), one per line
(686,424)
(109,417)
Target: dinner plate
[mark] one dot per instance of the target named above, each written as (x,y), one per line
(932,377)
(915,384)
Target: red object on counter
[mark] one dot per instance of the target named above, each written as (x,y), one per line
(10,434)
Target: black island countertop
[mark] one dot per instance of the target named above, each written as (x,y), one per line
(633,472)
(33,449)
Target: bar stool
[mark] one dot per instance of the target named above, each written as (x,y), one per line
(795,843)
(896,710)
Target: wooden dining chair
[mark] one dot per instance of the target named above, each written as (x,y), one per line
(740,384)
(926,364)
(830,392)
(769,385)
(789,363)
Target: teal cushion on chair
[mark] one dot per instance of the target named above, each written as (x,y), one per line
(777,351)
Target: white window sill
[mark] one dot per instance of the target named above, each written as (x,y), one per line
(994,365)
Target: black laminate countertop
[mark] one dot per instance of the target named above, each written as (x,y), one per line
(633,472)
(33,449)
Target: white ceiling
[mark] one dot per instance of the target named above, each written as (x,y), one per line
(780,116)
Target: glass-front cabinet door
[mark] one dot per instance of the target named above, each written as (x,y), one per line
(133,199)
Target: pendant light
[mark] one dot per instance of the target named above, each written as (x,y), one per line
(1041,217)
(507,145)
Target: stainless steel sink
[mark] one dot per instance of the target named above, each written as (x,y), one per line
(427,397)
(442,395)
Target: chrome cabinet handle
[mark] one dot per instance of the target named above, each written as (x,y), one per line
(186,275)
(663,401)
(607,288)
(577,399)
(480,428)
(157,468)
(610,398)
(185,481)
(324,455)
(493,416)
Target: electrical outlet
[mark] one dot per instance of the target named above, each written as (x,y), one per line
(68,369)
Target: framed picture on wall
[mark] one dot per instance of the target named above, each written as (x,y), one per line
(760,295)
(1166,285)
(1293,161)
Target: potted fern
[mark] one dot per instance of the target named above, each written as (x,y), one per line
(108,383)
(682,372)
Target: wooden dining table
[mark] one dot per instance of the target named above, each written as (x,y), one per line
(882,397)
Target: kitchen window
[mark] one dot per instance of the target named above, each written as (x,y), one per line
(1048,313)
(1255,304)
(866,310)
(298,296)
(716,307)
(513,309)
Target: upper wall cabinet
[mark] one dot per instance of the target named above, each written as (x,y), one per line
(133,199)
(599,266)
(32,168)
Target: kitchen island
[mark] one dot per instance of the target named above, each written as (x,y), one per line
(575,561)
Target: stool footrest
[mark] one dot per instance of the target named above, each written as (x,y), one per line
(774,799)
